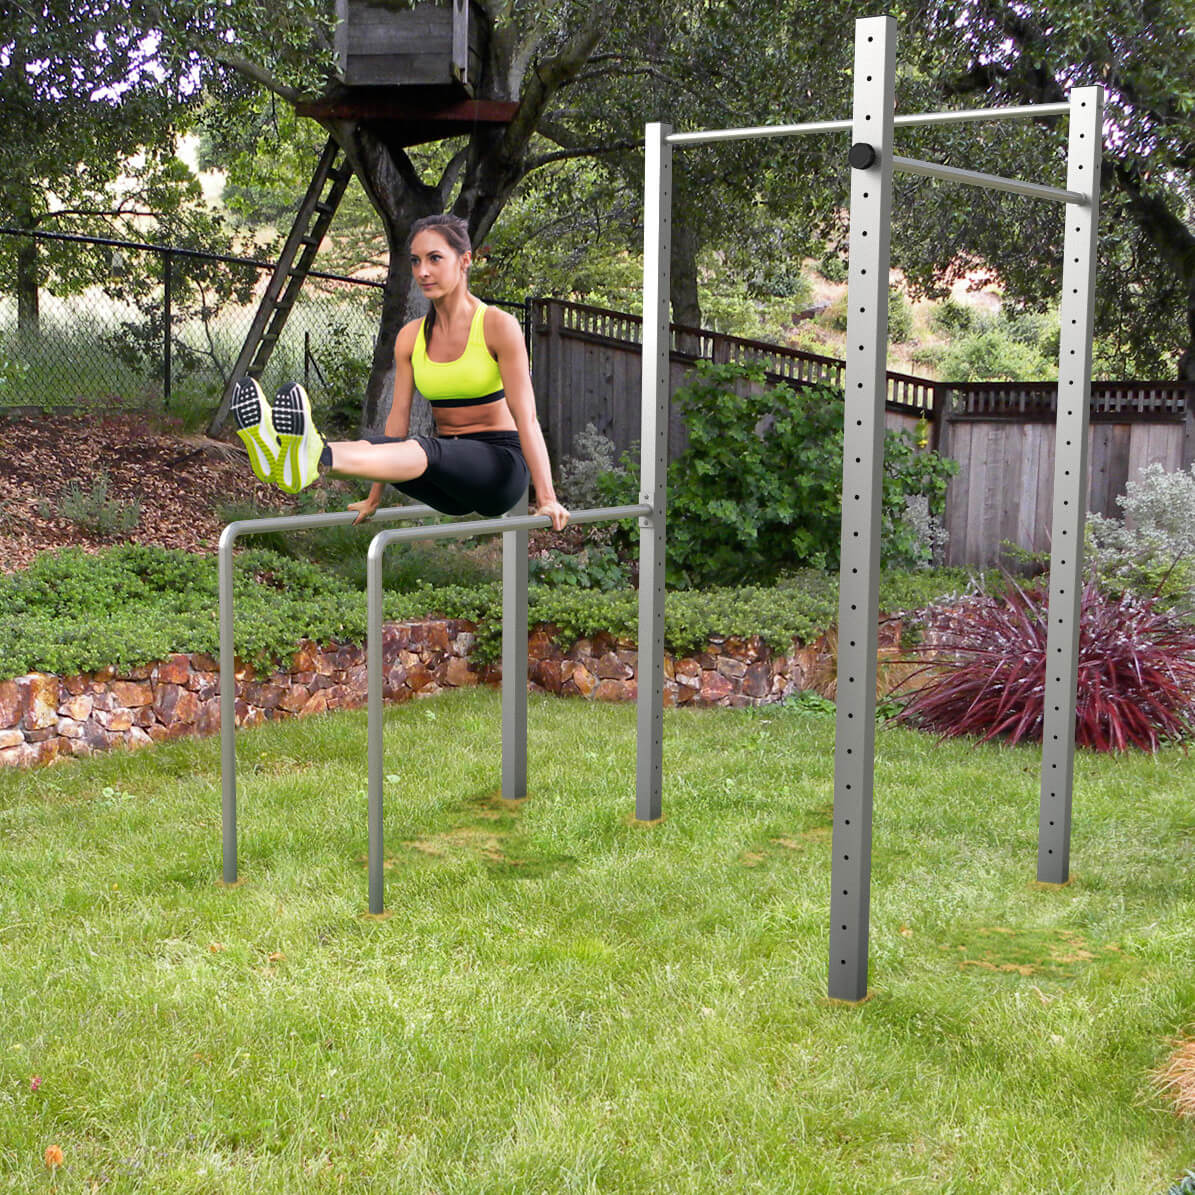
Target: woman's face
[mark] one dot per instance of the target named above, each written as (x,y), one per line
(435,264)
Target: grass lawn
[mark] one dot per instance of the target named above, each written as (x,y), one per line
(563,1001)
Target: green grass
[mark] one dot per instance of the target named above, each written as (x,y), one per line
(564,1001)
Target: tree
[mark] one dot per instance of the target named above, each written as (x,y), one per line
(984,52)
(80,100)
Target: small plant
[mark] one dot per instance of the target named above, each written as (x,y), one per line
(93,511)
(593,454)
(1184,1186)
(1152,549)
(594,567)
(985,670)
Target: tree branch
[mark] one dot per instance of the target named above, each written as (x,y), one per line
(580,151)
(258,74)
(451,173)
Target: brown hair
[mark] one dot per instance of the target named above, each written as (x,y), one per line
(456,232)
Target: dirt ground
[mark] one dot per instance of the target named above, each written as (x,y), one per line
(179,480)
(182,481)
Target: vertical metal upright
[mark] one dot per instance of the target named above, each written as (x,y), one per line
(1076,312)
(228,709)
(514,659)
(862,477)
(653,442)
(374,750)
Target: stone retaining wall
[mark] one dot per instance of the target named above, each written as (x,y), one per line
(43,717)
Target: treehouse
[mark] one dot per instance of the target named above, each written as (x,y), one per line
(413,68)
(389,44)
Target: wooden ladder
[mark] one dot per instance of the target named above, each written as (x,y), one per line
(332,175)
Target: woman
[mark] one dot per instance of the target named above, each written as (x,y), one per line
(469,361)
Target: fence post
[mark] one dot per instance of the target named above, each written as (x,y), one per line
(167,279)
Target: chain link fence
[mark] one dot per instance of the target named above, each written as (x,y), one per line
(119,323)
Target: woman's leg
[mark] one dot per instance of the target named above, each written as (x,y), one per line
(403,460)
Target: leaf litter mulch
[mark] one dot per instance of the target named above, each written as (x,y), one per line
(181,481)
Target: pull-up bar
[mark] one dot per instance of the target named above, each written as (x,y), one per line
(911,120)
(873,164)
(514,731)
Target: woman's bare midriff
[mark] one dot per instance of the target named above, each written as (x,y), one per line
(464,421)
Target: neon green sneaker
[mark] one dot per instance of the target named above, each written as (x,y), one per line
(255,426)
(297,465)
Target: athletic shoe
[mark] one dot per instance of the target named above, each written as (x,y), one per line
(297,465)
(255,426)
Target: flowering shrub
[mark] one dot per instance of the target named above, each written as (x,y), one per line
(985,670)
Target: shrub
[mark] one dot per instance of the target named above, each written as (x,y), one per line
(1152,550)
(92,510)
(986,671)
(951,318)
(758,490)
(338,406)
(593,454)
(991,355)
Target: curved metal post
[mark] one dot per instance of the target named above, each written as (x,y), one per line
(374,655)
(228,537)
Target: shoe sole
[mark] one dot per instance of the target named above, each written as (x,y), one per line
(255,427)
(300,444)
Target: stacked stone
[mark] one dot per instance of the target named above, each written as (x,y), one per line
(43,716)
(730,672)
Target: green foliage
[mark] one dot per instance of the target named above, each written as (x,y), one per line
(344,370)
(93,510)
(832,266)
(991,355)
(595,566)
(900,316)
(1185,1185)
(758,490)
(1152,549)
(73,612)
(593,454)
(952,318)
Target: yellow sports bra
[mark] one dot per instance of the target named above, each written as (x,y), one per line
(472,379)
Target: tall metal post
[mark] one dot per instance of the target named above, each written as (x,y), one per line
(653,441)
(376,711)
(228,705)
(514,659)
(1076,313)
(862,476)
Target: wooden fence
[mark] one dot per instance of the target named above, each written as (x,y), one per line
(586,369)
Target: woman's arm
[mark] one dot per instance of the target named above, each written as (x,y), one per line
(398,420)
(504,337)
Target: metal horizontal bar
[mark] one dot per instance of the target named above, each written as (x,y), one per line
(993,182)
(966,115)
(471,527)
(767,130)
(910,120)
(334,518)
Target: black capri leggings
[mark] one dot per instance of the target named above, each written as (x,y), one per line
(481,471)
